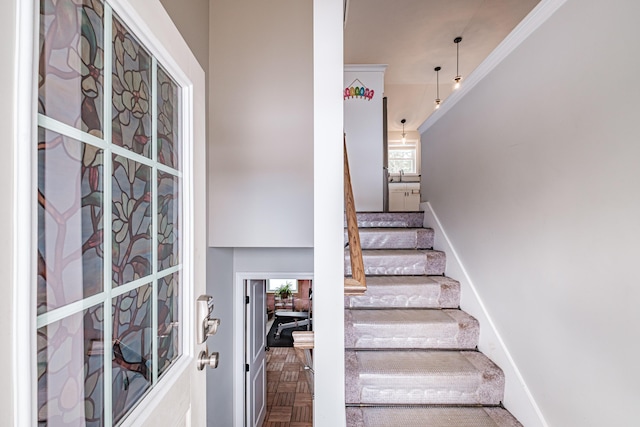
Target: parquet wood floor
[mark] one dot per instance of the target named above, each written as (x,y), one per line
(289,402)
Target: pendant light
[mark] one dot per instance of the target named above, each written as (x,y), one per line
(438,101)
(404,135)
(458,77)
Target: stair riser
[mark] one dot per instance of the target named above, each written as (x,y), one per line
(432,292)
(414,329)
(440,417)
(389,219)
(421,238)
(401,264)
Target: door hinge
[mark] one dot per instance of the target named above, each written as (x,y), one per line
(246,367)
(246,299)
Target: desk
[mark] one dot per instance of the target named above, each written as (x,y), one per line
(295,314)
(283,304)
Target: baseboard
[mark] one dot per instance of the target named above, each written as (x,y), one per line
(518,399)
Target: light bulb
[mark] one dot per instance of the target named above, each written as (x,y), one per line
(437,103)
(404,138)
(457,82)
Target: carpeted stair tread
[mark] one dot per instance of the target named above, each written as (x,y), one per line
(407,291)
(410,357)
(389,219)
(399,262)
(382,416)
(422,377)
(395,238)
(410,328)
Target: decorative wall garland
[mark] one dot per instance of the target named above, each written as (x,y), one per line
(361,91)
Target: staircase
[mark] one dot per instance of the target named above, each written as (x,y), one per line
(411,357)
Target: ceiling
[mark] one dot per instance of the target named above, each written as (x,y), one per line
(415,36)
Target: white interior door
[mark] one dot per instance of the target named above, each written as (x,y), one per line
(256,388)
(117,161)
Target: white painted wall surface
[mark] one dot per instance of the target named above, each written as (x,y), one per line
(192,20)
(363,126)
(328,251)
(534,175)
(7,213)
(261,124)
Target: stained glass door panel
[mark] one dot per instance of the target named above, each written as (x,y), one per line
(109,282)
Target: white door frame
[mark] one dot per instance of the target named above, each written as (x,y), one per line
(240,336)
(251,315)
(153,27)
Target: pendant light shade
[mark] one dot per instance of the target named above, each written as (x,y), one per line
(404,135)
(438,101)
(458,78)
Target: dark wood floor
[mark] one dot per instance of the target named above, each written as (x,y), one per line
(289,401)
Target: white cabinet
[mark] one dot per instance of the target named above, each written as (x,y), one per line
(404,196)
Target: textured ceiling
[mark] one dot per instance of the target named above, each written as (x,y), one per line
(415,36)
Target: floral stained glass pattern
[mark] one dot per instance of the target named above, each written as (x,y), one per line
(70,76)
(70,231)
(169,333)
(70,371)
(168,220)
(168,120)
(131,97)
(146,213)
(131,213)
(132,368)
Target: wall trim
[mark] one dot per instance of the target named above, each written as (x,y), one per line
(518,398)
(538,16)
(365,68)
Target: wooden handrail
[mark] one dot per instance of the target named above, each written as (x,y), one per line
(303,346)
(357,284)
(302,339)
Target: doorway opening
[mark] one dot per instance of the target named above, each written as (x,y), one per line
(276,388)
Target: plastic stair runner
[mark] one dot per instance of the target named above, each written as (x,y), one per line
(411,357)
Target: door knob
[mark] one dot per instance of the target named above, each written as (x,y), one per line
(205,359)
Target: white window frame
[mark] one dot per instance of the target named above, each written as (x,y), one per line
(25,211)
(410,143)
(277,282)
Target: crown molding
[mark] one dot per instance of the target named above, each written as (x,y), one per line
(365,67)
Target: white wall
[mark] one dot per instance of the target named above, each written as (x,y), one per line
(192,19)
(534,175)
(7,116)
(328,255)
(363,128)
(261,124)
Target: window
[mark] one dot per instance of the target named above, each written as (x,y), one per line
(274,284)
(109,254)
(403,157)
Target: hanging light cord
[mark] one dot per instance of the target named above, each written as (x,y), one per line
(457,58)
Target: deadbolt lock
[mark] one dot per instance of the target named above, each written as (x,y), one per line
(205,326)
